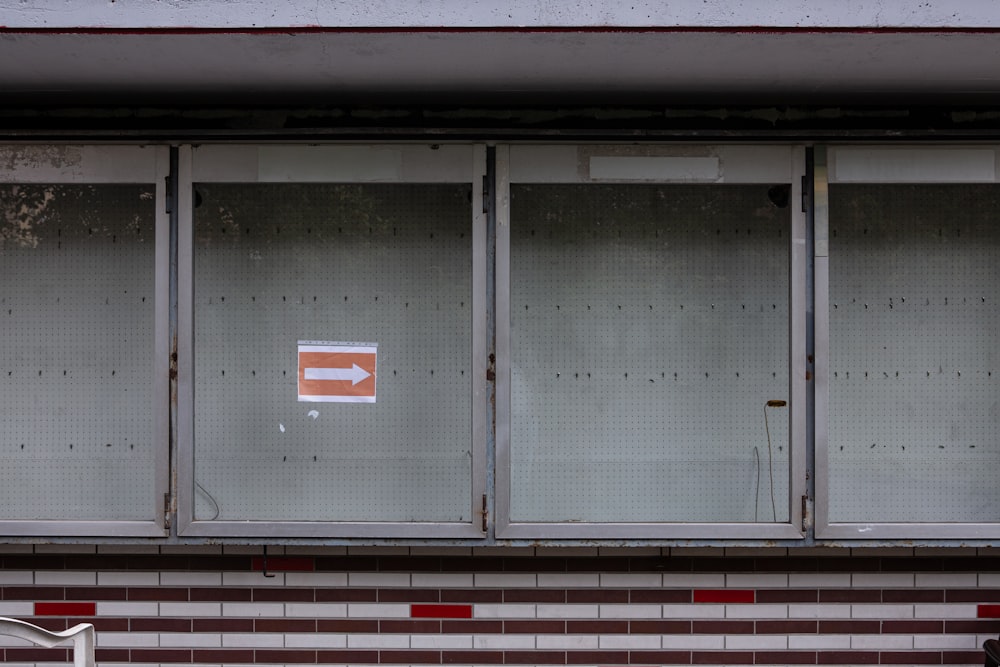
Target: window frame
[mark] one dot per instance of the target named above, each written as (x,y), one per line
(330,163)
(761,163)
(73,164)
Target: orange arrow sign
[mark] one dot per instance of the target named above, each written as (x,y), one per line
(337,372)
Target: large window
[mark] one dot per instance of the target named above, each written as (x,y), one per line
(333,332)
(648,303)
(83,264)
(914,284)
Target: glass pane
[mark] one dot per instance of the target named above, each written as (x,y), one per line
(913,334)
(76,292)
(280,263)
(649,331)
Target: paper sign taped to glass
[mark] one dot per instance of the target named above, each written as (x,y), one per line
(337,372)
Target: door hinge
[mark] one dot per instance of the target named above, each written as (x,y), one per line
(166,511)
(484,513)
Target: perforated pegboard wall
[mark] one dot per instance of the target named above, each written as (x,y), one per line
(76,293)
(649,327)
(280,263)
(914,335)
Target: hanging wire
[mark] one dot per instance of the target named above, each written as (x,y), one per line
(770,453)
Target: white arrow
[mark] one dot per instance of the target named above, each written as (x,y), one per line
(355,374)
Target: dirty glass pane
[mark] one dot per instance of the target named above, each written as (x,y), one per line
(649,330)
(914,335)
(386,264)
(76,302)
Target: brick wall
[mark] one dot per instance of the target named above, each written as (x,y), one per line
(356,606)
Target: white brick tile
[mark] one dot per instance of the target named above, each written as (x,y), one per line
(315,640)
(693,642)
(757,581)
(253,609)
(316,609)
(503,611)
(694,611)
(119,639)
(253,640)
(567,642)
(757,642)
(16,577)
(947,580)
(128,578)
(503,641)
(686,580)
(807,610)
(256,579)
(631,611)
(128,609)
(818,642)
(756,610)
(492,580)
(881,611)
(889,642)
(882,580)
(364,610)
(948,642)
(65,578)
(569,580)
(190,578)
(379,579)
(634,642)
(441,641)
(321,579)
(65,549)
(630,580)
(989,579)
(188,609)
(629,551)
(819,580)
(441,580)
(944,610)
(378,641)
(567,610)
(190,639)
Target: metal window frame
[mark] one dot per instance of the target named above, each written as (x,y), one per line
(923,163)
(126,164)
(669,164)
(330,163)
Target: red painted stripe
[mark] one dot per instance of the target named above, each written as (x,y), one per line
(65,609)
(441,611)
(988,611)
(724,596)
(284,564)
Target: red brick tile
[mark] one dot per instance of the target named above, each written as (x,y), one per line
(606,596)
(962,657)
(286,656)
(347,657)
(663,658)
(850,595)
(534,627)
(409,657)
(476,626)
(962,627)
(221,594)
(912,595)
(520,564)
(222,624)
(470,595)
(472,657)
(723,596)
(908,627)
(347,625)
(847,658)
(37,655)
(101,624)
(159,625)
(782,595)
(534,595)
(346,595)
(284,564)
(637,627)
(222,655)
(985,611)
(95,593)
(162,655)
(441,611)
(346,564)
(284,625)
(534,657)
(407,626)
(721,658)
(32,593)
(910,658)
(722,627)
(972,595)
(158,594)
(861,627)
(786,627)
(102,655)
(597,657)
(785,657)
(283,595)
(65,609)
(660,595)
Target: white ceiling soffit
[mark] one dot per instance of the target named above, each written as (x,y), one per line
(769,64)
